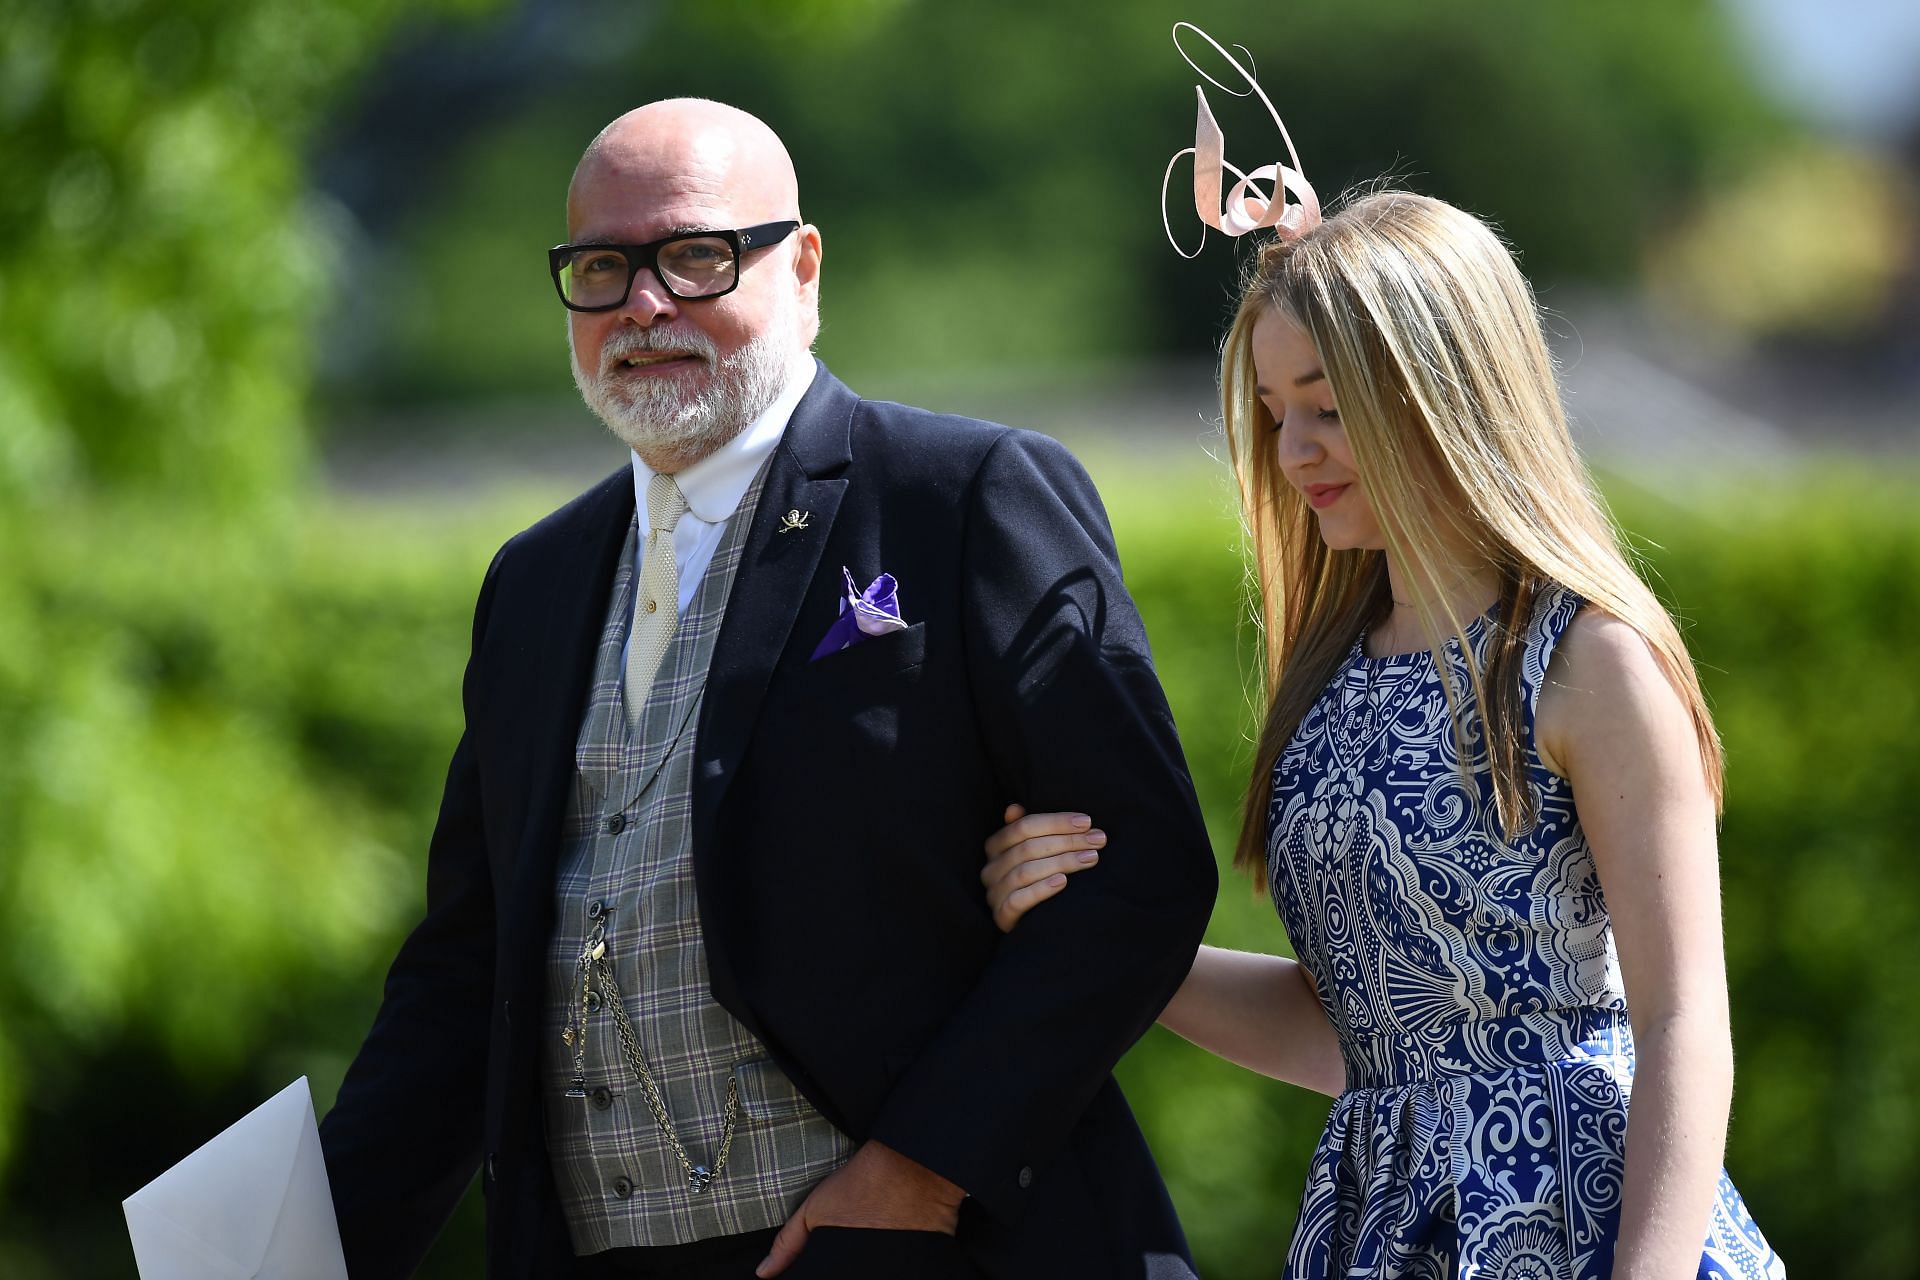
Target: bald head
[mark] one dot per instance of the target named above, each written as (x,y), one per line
(691,150)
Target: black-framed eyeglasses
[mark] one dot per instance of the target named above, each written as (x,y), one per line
(690,266)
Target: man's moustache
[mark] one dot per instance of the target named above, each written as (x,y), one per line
(640,342)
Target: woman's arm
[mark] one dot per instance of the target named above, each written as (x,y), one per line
(1611,723)
(1259,1011)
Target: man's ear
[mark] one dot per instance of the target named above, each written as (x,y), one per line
(806,271)
(806,267)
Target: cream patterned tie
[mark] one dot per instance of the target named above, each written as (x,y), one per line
(656,609)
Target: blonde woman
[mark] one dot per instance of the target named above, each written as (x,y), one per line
(1484,798)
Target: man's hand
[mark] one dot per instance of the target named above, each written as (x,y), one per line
(878,1189)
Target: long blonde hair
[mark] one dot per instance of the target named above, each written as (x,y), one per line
(1431,344)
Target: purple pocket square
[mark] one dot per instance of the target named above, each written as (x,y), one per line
(873,612)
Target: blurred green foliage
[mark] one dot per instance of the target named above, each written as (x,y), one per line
(1833,269)
(226,757)
(161,257)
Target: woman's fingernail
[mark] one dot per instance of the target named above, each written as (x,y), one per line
(1082,821)
(1054,882)
(1089,856)
(1096,837)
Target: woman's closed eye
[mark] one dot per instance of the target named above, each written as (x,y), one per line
(1324,415)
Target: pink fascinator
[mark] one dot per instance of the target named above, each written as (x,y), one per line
(1247,207)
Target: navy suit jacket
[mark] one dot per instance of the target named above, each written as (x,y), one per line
(838,812)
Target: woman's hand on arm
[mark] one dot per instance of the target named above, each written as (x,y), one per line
(1259,1011)
(1029,860)
(1615,727)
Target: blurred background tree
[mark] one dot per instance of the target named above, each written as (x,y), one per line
(184,880)
(985,174)
(162,253)
(280,367)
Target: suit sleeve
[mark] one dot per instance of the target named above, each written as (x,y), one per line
(404,1137)
(1074,718)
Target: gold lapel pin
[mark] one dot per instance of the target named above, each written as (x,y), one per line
(795,519)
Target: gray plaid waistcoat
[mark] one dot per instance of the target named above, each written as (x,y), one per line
(627,861)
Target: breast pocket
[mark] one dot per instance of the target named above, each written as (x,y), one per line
(875,656)
(857,696)
(845,709)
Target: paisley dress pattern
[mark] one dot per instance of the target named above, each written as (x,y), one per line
(1474,987)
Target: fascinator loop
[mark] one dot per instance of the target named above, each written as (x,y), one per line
(1247,206)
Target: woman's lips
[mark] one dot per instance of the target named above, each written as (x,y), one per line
(1324,495)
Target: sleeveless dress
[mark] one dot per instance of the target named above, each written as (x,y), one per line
(1474,988)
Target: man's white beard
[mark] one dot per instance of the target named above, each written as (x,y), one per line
(669,414)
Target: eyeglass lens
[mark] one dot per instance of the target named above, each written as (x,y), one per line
(694,267)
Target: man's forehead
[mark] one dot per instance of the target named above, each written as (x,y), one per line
(645,204)
(639,222)
(679,166)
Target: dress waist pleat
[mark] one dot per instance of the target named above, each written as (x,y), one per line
(1477,1046)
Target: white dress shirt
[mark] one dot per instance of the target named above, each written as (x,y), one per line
(714,486)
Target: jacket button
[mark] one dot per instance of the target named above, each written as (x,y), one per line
(602,1098)
(616,824)
(1026,1178)
(490,1174)
(622,1187)
(596,909)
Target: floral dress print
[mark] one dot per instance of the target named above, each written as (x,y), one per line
(1475,990)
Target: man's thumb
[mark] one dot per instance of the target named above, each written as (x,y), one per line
(786,1246)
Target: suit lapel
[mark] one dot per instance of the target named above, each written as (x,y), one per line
(559,671)
(776,569)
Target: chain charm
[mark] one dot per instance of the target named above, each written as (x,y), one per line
(595,967)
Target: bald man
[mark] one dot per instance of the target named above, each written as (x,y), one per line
(706,984)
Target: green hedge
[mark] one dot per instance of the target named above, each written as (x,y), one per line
(223,759)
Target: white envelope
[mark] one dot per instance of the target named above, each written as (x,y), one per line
(253,1204)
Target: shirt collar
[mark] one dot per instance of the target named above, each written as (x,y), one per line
(714,485)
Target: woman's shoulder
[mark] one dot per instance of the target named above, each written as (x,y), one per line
(1600,649)
(1603,681)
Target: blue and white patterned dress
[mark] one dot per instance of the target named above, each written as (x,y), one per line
(1475,990)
